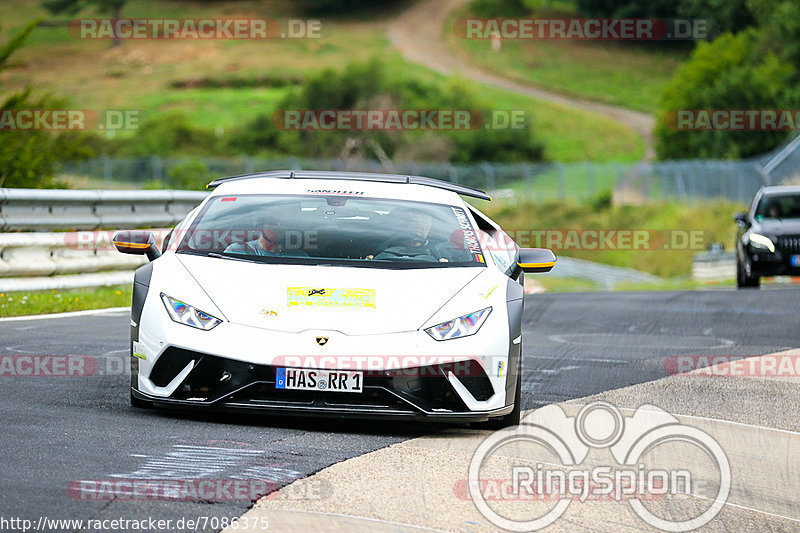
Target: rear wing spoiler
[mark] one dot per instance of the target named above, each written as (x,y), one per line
(358,176)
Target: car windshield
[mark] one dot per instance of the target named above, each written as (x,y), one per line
(334,229)
(779,206)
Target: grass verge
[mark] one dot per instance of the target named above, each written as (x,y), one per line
(62,301)
(554,284)
(157,77)
(671,257)
(630,74)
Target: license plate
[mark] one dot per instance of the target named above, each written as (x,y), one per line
(319,380)
(795,260)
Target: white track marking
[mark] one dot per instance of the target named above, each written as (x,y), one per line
(589,359)
(87,312)
(725,422)
(747,508)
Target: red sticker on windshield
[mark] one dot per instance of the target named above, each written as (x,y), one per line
(229,199)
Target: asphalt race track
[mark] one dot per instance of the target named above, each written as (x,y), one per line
(56,430)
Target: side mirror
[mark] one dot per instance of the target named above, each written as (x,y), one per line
(536,259)
(137,243)
(740,219)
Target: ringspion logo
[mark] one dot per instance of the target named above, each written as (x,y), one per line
(641,468)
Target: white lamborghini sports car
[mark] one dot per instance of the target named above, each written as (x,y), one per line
(333,294)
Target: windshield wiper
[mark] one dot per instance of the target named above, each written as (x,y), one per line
(234,257)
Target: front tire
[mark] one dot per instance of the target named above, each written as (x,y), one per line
(742,280)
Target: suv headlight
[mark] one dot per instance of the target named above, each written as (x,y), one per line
(184,313)
(463,326)
(762,241)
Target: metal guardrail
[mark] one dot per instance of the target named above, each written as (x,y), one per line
(42,209)
(77,281)
(606,276)
(42,261)
(710,266)
(77,252)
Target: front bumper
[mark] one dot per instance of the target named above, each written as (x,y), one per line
(784,261)
(213,383)
(773,264)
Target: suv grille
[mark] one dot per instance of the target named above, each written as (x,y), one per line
(789,244)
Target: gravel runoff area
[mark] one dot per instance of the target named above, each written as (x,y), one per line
(420,484)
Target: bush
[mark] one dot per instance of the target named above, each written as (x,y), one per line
(332,7)
(258,136)
(628,8)
(730,73)
(368,86)
(31,158)
(727,15)
(498,8)
(507,146)
(167,134)
(192,174)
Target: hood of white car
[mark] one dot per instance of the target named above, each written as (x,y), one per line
(351,300)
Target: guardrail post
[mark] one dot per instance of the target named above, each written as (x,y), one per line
(157,171)
(453,171)
(488,172)
(107,171)
(527,173)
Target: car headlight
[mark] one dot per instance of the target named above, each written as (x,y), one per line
(184,313)
(762,241)
(463,326)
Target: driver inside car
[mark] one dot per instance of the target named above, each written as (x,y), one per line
(271,242)
(414,244)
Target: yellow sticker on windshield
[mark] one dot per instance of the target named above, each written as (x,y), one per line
(336,298)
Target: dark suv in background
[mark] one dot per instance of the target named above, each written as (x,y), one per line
(768,239)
